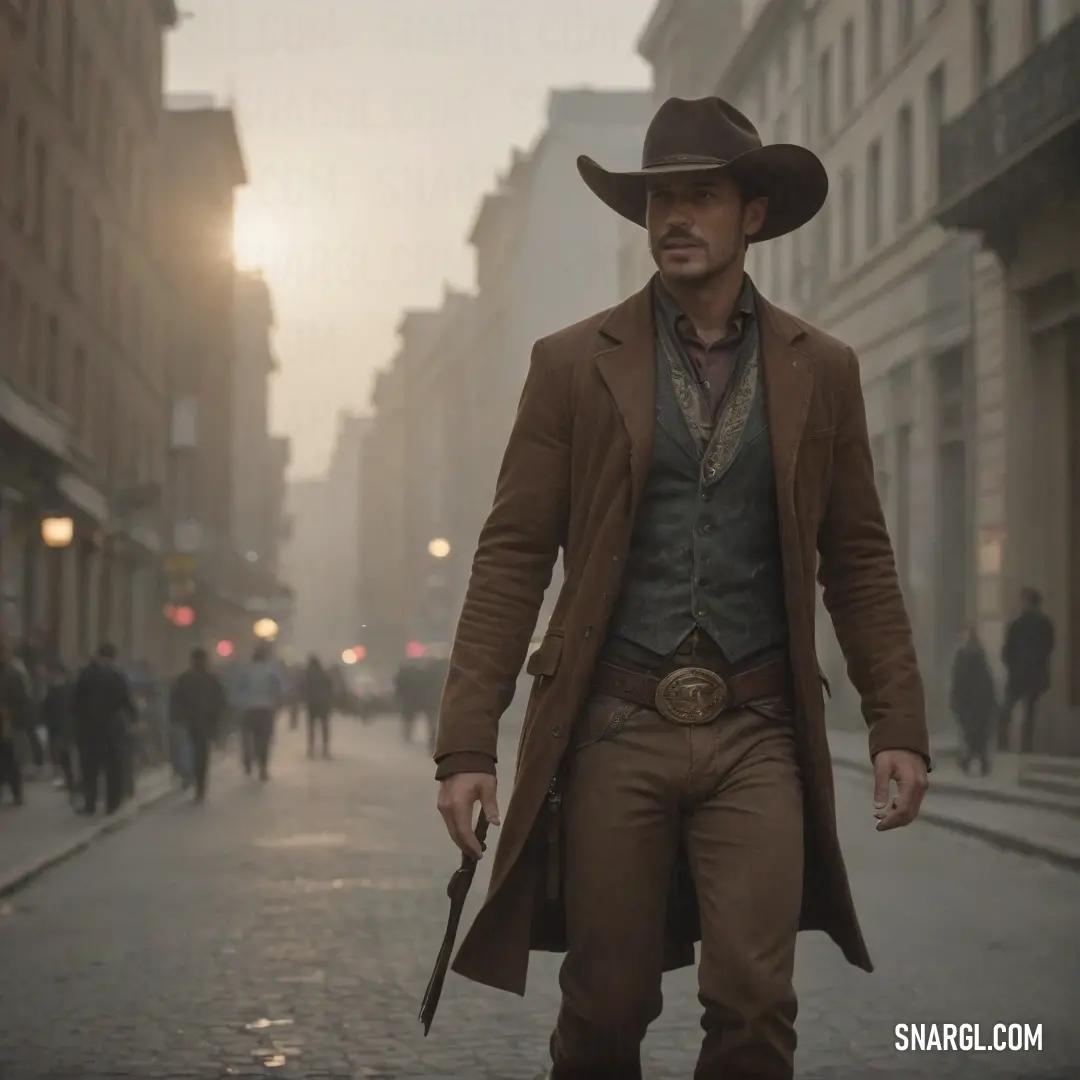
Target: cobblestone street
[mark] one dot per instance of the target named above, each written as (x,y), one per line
(289,929)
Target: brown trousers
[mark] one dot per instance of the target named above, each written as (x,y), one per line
(637,787)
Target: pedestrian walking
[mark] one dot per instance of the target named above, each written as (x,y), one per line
(295,681)
(15,716)
(1026,652)
(104,712)
(318,694)
(973,700)
(259,693)
(59,723)
(689,453)
(409,691)
(37,655)
(197,706)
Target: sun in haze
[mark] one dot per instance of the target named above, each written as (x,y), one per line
(257,238)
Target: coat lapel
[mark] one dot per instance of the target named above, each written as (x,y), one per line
(789,386)
(628,367)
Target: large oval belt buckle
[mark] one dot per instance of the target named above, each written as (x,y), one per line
(692,696)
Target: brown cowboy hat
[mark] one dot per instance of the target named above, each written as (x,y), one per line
(707,135)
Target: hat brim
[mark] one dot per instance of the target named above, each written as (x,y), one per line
(792,178)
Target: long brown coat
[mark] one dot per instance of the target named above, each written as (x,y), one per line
(573,475)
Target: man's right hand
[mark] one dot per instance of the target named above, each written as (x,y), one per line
(458,795)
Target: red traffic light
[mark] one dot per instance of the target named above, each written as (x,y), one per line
(225,649)
(359,652)
(415,650)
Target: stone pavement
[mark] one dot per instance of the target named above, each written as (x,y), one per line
(46,830)
(288,929)
(994,808)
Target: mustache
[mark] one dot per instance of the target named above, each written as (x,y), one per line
(677,236)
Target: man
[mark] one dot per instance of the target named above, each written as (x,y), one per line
(692,451)
(16,709)
(1029,644)
(197,704)
(318,693)
(56,716)
(103,709)
(409,691)
(258,695)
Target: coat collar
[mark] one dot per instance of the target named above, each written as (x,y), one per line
(627,364)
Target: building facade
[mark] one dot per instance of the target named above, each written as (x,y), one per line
(201,165)
(870,84)
(1009,175)
(82,324)
(382,497)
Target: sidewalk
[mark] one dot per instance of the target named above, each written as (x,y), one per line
(995,809)
(46,830)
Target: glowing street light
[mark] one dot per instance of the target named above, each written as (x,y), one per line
(349,657)
(57,532)
(265,629)
(439,548)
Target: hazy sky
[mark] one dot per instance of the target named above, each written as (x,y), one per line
(371,129)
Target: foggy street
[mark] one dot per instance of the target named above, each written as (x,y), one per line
(289,930)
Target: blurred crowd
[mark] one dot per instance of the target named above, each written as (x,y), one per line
(93,730)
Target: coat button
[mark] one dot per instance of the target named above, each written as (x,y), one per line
(556,732)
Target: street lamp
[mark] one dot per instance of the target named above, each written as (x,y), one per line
(57,532)
(439,548)
(266,629)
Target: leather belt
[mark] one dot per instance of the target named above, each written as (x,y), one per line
(693,695)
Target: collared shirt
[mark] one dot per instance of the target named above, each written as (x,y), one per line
(714,364)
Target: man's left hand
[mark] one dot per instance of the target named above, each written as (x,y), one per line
(907,771)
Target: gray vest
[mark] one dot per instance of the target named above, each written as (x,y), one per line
(705,548)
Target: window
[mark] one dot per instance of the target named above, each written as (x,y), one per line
(905,165)
(777,267)
(935,121)
(825,93)
(34,366)
(875,52)
(52,360)
(97,267)
(905,31)
(5,98)
(903,508)
(41,194)
(67,237)
(847,67)
(77,407)
(847,218)
(84,105)
(41,35)
(69,77)
(984,45)
(21,166)
(873,194)
(15,325)
(821,271)
(104,148)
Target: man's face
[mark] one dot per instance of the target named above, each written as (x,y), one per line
(698,225)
